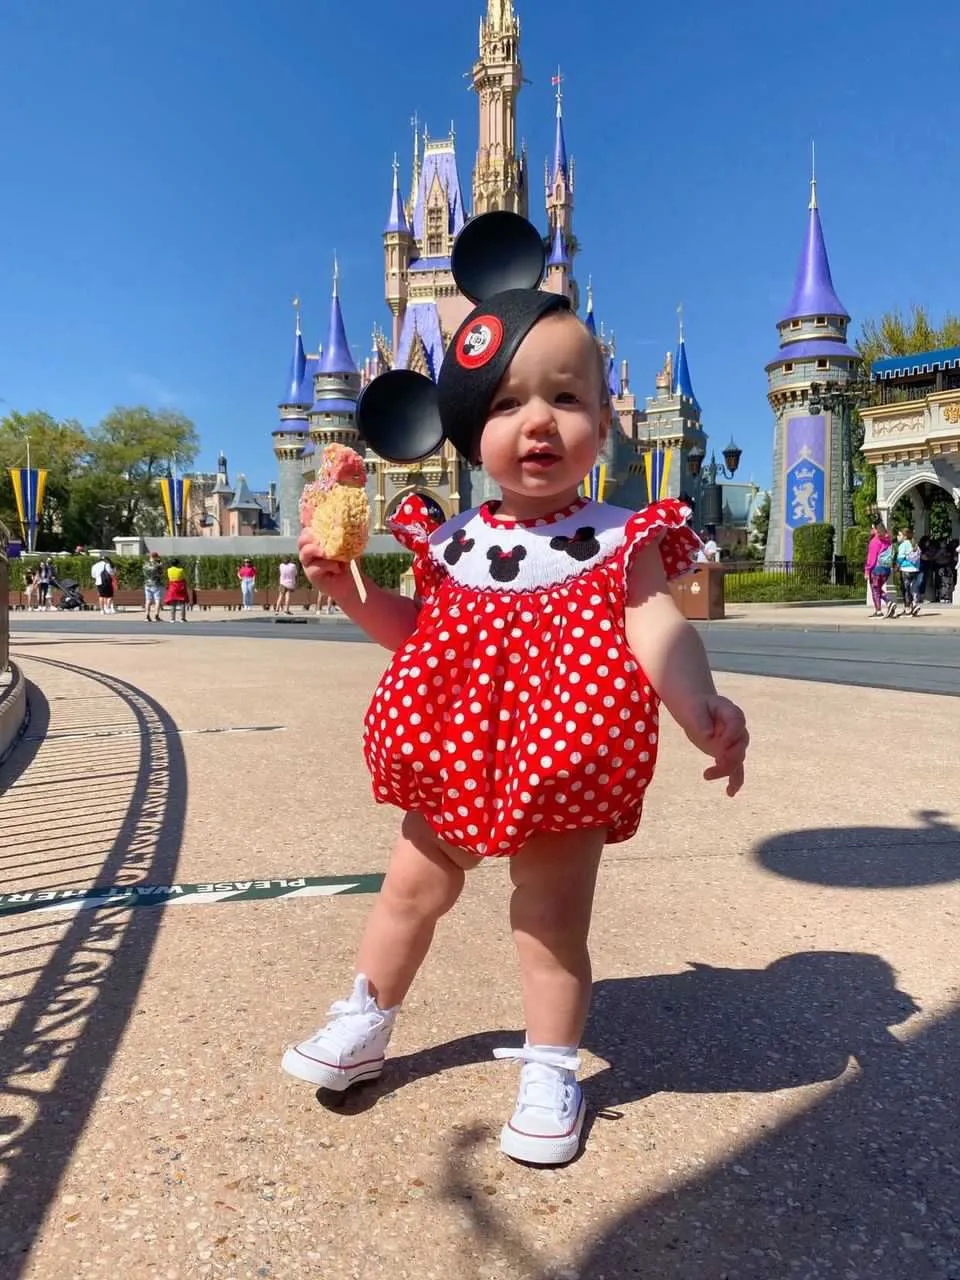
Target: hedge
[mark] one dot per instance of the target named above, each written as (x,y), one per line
(210,572)
(855,543)
(813,544)
(785,588)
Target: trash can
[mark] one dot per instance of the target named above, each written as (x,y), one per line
(699,595)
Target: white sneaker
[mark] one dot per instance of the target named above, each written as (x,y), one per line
(350,1048)
(546,1125)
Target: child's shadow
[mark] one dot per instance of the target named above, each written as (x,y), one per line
(706,1030)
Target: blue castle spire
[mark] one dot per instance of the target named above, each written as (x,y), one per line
(560,142)
(589,321)
(558,250)
(397,217)
(336,356)
(682,382)
(295,393)
(813,291)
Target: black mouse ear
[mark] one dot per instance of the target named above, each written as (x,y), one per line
(398,416)
(497,251)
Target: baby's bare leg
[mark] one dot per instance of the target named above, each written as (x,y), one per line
(554,878)
(423,881)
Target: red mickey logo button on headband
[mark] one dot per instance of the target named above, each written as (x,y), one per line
(480,343)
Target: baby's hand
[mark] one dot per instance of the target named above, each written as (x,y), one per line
(328,576)
(718,727)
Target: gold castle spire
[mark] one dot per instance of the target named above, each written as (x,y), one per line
(497,76)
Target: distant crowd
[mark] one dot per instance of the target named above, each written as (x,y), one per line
(907,574)
(165,586)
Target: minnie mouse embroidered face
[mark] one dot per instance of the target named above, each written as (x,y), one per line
(582,546)
(505,565)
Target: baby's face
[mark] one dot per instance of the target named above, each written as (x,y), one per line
(547,419)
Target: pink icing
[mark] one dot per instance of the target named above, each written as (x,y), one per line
(341,465)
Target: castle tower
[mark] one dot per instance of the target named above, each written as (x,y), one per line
(810,450)
(559,179)
(398,248)
(289,441)
(500,174)
(336,382)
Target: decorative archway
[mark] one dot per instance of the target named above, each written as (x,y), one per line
(912,487)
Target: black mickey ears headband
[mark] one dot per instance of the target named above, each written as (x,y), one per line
(498,261)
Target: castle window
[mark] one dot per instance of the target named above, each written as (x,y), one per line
(823,364)
(788,367)
(796,324)
(820,320)
(435,232)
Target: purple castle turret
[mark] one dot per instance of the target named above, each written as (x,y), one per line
(812,466)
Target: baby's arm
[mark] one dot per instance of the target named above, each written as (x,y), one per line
(387,618)
(671,653)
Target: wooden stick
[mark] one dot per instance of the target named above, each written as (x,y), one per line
(358,579)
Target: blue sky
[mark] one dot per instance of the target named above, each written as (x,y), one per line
(175,172)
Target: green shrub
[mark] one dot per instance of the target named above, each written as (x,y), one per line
(813,544)
(855,542)
(786,588)
(209,572)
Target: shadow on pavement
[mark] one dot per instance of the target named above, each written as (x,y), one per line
(868,857)
(63,1032)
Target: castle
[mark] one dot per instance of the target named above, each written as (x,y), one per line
(321,389)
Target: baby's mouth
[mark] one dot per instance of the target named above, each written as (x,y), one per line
(539,459)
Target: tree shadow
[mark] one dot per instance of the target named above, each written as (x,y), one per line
(71,1020)
(868,857)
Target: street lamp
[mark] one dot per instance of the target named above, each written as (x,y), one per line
(707,494)
(841,399)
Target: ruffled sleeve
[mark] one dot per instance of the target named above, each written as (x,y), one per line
(412,524)
(663,524)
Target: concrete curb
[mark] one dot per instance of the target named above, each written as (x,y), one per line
(832,628)
(14,713)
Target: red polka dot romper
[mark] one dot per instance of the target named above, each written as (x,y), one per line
(516,707)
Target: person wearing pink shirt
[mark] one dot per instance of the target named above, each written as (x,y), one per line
(875,570)
(248,579)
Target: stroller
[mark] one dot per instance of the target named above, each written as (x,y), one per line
(70,597)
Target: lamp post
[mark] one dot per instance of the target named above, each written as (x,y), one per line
(841,399)
(707,494)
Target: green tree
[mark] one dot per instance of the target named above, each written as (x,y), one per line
(891,335)
(760,527)
(59,448)
(118,492)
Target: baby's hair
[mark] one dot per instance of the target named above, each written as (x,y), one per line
(601,360)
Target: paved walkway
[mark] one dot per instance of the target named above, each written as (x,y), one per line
(771,1061)
(832,617)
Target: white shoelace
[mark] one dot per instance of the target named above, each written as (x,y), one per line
(544,1083)
(350,1017)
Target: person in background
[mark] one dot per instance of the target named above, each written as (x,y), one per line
(29,589)
(44,583)
(104,581)
(878,565)
(153,586)
(177,593)
(911,573)
(288,583)
(247,575)
(709,553)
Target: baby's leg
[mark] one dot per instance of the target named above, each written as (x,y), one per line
(423,881)
(554,878)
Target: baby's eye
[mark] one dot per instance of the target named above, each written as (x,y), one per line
(567,397)
(505,404)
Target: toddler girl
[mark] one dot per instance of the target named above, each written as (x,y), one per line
(519,715)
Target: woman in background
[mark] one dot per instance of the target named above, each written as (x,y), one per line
(176,590)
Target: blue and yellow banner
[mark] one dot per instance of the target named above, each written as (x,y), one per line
(29,484)
(176,494)
(656,464)
(595,482)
